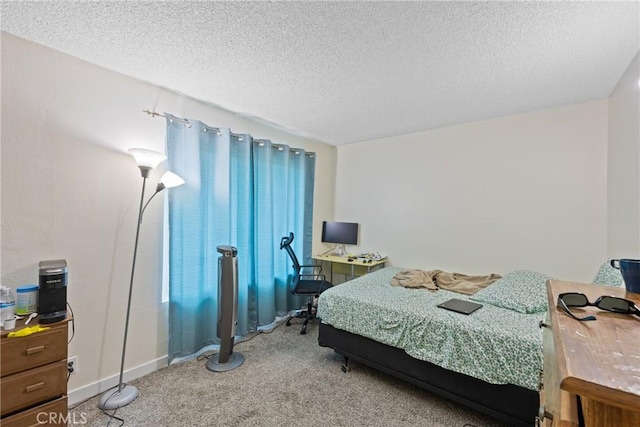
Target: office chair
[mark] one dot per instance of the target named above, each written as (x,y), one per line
(311,285)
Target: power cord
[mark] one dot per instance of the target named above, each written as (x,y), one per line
(282,322)
(208,355)
(113,416)
(73,324)
(70,368)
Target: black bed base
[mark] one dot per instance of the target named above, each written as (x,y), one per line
(509,403)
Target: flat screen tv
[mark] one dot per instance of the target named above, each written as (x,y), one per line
(340,233)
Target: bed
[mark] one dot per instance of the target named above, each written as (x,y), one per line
(489,360)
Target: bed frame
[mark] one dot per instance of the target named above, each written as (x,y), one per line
(509,403)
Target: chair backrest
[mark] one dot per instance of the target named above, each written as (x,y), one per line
(285,244)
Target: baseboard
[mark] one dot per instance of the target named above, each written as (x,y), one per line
(86,392)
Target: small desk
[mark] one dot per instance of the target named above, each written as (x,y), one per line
(592,365)
(357,267)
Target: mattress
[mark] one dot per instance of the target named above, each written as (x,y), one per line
(494,344)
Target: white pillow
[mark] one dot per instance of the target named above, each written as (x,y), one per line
(608,276)
(522,291)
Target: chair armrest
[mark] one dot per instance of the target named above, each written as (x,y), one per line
(313,277)
(313,266)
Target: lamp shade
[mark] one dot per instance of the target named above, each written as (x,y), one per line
(148,159)
(170,180)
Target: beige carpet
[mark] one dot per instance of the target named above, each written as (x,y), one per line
(287,379)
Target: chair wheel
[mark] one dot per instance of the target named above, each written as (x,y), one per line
(344,369)
(288,322)
(303,332)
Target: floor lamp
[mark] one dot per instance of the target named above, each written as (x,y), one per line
(147,160)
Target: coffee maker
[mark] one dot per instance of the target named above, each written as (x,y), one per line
(52,291)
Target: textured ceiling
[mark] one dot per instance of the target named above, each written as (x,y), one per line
(343,72)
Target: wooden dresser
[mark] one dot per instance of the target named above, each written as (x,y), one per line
(591,374)
(33,377)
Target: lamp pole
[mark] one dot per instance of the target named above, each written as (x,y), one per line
(133,269)
(125,393)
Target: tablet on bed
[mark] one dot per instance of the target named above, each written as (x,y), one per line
(460,306)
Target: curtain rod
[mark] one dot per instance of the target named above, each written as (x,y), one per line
(180,119)
(260,142)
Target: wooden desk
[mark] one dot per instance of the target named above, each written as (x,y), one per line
(355,268)
(593,366)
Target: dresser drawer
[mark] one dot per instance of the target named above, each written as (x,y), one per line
(19,354)
(25,389)
(49,414)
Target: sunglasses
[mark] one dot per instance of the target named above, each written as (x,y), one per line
(607,303)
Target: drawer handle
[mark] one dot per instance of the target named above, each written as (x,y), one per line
(34,350)
(34,387)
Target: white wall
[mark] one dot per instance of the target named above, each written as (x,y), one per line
(70,190)
(520,192)
(623,184)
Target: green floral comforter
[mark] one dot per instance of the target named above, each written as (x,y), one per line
(494,344)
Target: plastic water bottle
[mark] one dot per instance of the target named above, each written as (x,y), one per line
(7,304)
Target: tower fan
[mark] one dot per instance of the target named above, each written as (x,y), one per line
(226,359)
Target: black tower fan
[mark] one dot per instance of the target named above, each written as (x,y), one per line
(226,359)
